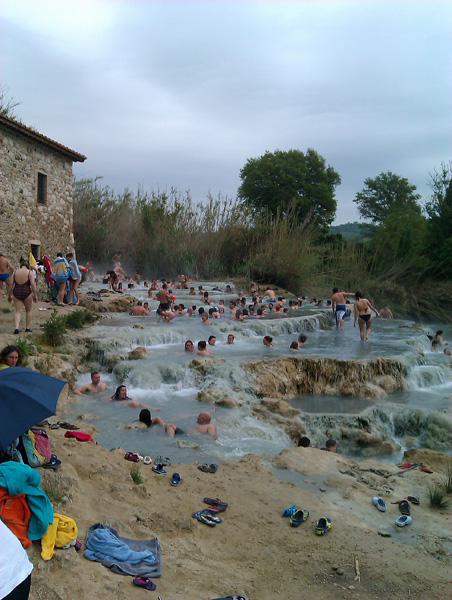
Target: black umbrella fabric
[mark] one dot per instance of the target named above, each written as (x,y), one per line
(26,397)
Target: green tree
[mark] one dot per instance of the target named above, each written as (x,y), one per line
(278,181)
(439,210)
(383,194)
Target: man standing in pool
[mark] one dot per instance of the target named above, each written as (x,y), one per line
(338,305)
(362,313)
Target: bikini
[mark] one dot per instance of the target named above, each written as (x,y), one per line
(21,291)
(365,317)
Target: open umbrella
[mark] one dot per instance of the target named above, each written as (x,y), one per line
(26,397)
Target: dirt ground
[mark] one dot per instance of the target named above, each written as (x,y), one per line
(254,551)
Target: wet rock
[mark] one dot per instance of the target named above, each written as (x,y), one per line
(218,395)
(378,445)
(430,458)
(281,407)
(136,326)
(109,303)
(289,376)
(137,353)
(203,364)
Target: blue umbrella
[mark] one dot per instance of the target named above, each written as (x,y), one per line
(26,397)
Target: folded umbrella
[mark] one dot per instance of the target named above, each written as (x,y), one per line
(26,397)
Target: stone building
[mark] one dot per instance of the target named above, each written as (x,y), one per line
(36,209)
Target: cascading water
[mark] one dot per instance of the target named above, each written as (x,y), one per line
(168,380)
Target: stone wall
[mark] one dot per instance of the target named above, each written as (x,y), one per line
(24,222)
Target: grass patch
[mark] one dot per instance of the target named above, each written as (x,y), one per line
(6,310)
(447,481)
(136,475)
(78,318)
(437,496)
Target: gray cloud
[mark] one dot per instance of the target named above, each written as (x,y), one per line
(182,93)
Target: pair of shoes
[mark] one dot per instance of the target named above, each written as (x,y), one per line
(144,582)
(66,425)
(299,517)
(404,520)
(176,479)
(54,463)
(159,460)
(204,516)
(132,457)
(323,526)
(16,331)
(212,468)
(379,503)
(158,468)
(289,511)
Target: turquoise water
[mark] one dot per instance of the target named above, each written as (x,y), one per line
(164,380)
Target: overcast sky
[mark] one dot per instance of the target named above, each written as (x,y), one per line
(181,93)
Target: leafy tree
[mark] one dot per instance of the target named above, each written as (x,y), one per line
(439,209)
(278,181)
(383,194)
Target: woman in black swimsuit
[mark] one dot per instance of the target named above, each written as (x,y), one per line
(23,291)
(361,310)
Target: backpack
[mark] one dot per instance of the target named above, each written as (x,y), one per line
(36,447)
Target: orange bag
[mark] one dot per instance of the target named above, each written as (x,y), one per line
(15,514)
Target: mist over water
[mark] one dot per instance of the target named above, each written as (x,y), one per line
(164,380)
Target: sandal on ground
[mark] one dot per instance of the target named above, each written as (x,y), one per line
(404,507)
(158,468)
(289,511)
(379,503)
(299,517)
(159,460)
(132,457)
(323,526)
(211,515)
(147,460)
(215,502)
(144,582)
(404,520)
(413,499)
(204,519)
(66,425)
(176,479)
(54,463)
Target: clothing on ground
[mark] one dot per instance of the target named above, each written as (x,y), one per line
(123,555)
(62,531)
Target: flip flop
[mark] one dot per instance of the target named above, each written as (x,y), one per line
(204,519)
(147,460)
(213,468)
(132,457)
(413,499)
(144,582)
(159,460)
(298,517)
(66,425)
(379,503)
(176,479)
(205,468)
(403,520)
(404,507)
(425,470)
(54,463)
(211,515)
(216,509)
(158,468)
(215,502)
(289,511)
(323,526)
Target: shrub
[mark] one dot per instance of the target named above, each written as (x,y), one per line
(78,318)
(54,329)
(437,496)
(136,475)
(447,481)
(25,346)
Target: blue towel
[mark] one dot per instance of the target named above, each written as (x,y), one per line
(18,478)
(123,555)
(104,545)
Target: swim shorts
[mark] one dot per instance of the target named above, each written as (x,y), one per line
(164,306)
(341,311)
(4,276)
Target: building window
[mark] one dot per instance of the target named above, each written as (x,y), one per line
(35,249)
(42,188)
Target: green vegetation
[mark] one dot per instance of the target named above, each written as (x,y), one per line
(447,482)
(6,310)
(25,346)
(136,475)
(437,497)
(55,328)
(276,232)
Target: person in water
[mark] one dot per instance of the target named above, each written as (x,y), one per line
(362,308)
(189,346)
(386,313)
(95,387)
(304,442)
(204,425)
(230,339)
(203,350)
(338,300)
(293,347)
(267,341)
(120,395)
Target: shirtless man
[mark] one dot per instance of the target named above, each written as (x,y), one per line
(338,304)
(203,350)
(271,295)
(139,310)
(95,387)
(164,297)
(385,312)
(205,426)
(6,268)
(137,278)
(361,309)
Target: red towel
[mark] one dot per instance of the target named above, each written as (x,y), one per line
(81,436)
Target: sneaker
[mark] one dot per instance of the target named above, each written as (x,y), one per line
(29,331)
(16,331)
